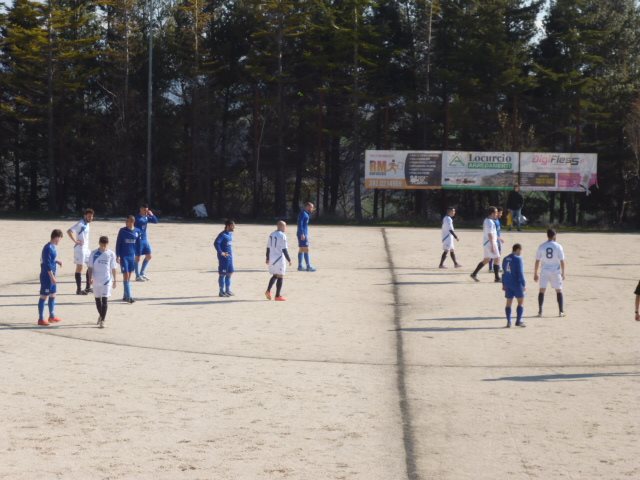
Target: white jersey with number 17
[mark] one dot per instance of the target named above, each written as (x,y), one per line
(550,254)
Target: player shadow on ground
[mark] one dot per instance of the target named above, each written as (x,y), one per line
(422,283)
(37,282)
(207,302)
(34,295)
(560,377)
(444,329)
(32,304)
(24,326)
(458,319)
(438,273)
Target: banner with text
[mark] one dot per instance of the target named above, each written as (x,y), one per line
(560,172)
(479,170)
(403,169)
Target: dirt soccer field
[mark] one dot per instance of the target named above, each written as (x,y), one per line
(378,367)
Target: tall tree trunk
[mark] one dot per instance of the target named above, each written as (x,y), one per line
(300,161)
(51,162)
(257,140)
(357,200)
(335,172)
(222,160)
(280,187)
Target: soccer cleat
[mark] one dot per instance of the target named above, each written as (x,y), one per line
(130,300)
(457,265)
(125,299)
(281,299)
(88,290)
(508,325)
(140,279)
(311,269)
(54,319)
(229,293)
(475,277)
(99,320)
(441,266)
(561,314)
(301,269)
(520,324)
(44,323)
(222,294)
(497,280)
(145,278)
(81,292)
(268,295)
(540,313)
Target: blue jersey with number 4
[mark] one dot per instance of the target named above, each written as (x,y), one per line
(513,268)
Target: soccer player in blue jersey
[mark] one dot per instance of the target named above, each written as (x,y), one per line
(48,266)
(127,245)
(224,248)
(303,237)
(81,249)
(514,284)
(144,217)
(498,233)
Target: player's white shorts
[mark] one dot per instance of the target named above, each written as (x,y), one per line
(489,250)
(101,290)
(448,243)
(279,268)
(550,276)
(81,255)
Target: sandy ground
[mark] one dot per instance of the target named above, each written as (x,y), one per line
(379,366)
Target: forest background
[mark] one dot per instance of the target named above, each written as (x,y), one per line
(258,106)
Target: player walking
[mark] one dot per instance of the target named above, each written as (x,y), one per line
(498,233)
(490,245)
(144,217)
(551,256)
(127,245)
(448,235)
(276,254)
(514,284)
(48,265)
(102,263)
(303,237)
(224,248)
(79,234)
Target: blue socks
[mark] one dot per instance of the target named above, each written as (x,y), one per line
(137,269)
(519,312)
(145,262)
(300,260)
(52,306)
(227,283)
(41,309)
(507,310)
(127,289)
(306,259)
(221,283)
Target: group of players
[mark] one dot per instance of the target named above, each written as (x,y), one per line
(132,245)
(550,259)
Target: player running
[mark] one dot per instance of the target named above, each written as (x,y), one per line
(303,237)
(551,256)
(224,248)
(448,235)
(127,245)
(48,266)
(276,254)
(490,245)
(144,217)
(79,234)
(102,263)
(514,284)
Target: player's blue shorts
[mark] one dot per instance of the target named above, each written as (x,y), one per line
(303,243)
(143,248)
(225,264)
(46,287)
(513,292)
(127,264)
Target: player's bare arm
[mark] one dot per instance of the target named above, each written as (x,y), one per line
(562,267)
(535,270)
(73,238)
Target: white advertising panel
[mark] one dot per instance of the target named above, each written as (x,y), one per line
(479,170)
(562,172)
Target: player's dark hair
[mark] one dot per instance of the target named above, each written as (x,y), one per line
(144,205)
(491,210)
(89,210)
(516,247)
(500,209)
(551,233)
(449,209)
(57,233)
(131,217)
(103,239)
(228,222)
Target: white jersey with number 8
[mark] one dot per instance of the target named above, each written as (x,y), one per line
(550,254)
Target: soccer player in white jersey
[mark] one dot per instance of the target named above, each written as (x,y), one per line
(448,235)
(490,245)
(550,256)
(102,264)
(79,234)
(277,252)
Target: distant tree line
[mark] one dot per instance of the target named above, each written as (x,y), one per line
(259,105)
